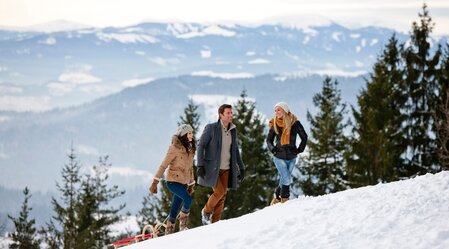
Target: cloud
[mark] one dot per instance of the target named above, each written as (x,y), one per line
(259,61)
(130,171)
(10,89)
(4,119)
(3,156)
(139,52)
(136,82)
(87,150)
(60,89)
(205,53)
(76,78)
(24,104)
(164,62)
(95,89)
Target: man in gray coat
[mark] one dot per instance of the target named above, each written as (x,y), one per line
(219,163)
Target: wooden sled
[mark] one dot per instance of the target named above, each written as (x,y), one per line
(153,232)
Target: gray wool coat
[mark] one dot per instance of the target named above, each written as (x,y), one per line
(208,155)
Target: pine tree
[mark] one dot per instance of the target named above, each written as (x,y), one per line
(380,142)
(191,116)
(94,217)
(25,235)
(61,232)
(442,114)
(324,169)
(256,191)
(82,218)
(421,71)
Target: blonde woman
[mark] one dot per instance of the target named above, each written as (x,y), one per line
(281,141)
(179,178)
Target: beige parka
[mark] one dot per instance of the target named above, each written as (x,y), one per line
(179,163)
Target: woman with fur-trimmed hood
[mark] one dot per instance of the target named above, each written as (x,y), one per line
(179,177)
(284,127)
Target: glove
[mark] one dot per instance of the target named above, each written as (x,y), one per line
(201,172)
(153,187)
(241,176)
(190,189)
(274,150)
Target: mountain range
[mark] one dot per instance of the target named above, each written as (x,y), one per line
(40,71)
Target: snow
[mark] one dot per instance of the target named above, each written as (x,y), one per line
(189,31)
(405,214)
(127,38)
(211,103)
(223,75)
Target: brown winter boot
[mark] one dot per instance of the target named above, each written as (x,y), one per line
(275,201)
(183,221)
(284,199)
(170,227)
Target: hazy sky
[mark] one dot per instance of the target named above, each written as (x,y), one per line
(397,14)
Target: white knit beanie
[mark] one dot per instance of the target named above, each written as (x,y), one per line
(183,129)
(284,107)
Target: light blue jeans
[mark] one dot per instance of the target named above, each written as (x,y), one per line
(285,168)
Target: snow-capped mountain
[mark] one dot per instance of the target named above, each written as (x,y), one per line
(43,70)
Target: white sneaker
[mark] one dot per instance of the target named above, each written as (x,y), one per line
(205,218)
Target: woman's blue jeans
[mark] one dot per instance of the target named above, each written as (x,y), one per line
(180,195)
(285,168)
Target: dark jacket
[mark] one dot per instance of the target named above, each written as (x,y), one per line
(287,151)
(209,153)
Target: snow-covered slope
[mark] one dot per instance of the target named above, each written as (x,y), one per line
(405,214)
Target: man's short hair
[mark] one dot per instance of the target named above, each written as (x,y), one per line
(223,107)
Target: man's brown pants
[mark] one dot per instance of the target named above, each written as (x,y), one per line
(215,204)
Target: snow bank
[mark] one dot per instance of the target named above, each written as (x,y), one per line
(405,214)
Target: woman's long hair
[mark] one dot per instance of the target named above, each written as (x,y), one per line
(287,121)
(190,146)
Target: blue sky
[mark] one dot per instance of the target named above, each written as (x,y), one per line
(397,14)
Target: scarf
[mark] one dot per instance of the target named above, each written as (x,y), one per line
(278,122)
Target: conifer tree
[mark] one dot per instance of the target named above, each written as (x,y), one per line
(25,235)
(255,192)
(421,70)
(379,141)
(191,116)
(94,216)
(82,217)
(324,170)
(442,114)
(61,232)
